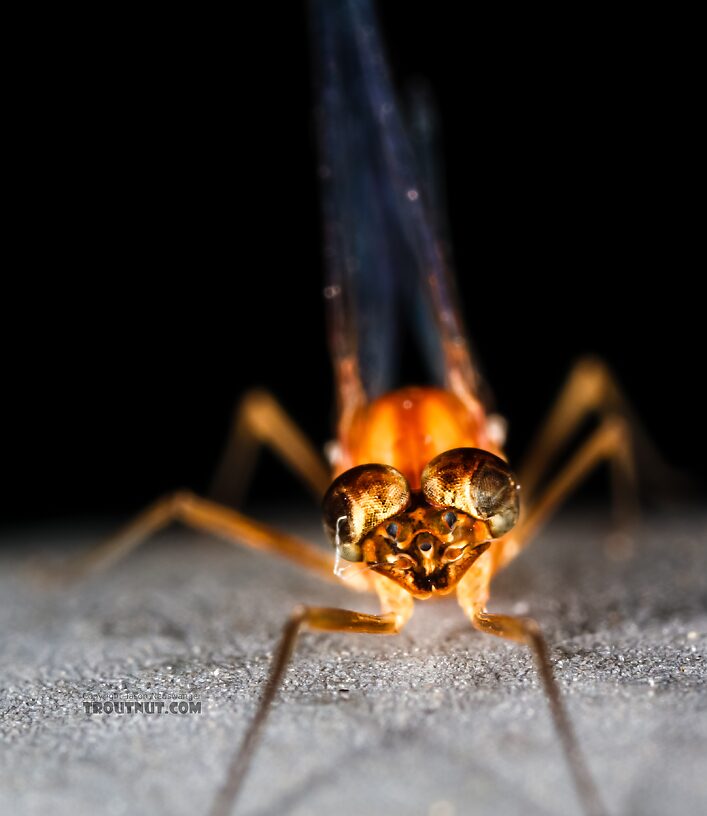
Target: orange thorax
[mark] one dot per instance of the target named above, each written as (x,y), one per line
(407,428)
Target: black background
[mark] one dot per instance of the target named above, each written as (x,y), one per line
(166,238)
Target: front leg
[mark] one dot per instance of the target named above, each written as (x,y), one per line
(397,608)
(527,631)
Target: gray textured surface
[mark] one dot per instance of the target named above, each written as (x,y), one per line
(439,720)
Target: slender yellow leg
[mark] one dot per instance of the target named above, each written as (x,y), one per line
(260,420)
(398,608)
(590,387)
(204,515)
(527,631)
(611,441)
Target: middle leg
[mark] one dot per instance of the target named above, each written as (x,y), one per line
(208,516)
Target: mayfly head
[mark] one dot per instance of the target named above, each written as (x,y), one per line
(423,540)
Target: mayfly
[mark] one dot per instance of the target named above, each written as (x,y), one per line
(418,497)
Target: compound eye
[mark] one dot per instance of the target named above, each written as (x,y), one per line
(359,500)
(475,482)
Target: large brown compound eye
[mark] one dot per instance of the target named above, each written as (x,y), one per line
(359,500)
(475,482)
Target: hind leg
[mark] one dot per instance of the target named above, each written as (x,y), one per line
(260,420)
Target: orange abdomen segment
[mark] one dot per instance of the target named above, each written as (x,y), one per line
(407,428)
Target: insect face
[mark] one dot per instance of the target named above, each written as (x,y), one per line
(425,549)
(424,540)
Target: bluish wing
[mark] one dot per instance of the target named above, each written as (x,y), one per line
(362,240)
(426,141)
(423,131)
(383,245)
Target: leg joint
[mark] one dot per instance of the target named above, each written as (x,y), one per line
(617,432)
(254,402)
(593,377)
(180,500)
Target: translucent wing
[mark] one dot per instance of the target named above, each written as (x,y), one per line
(361,243)
(383,246)
(426,141)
